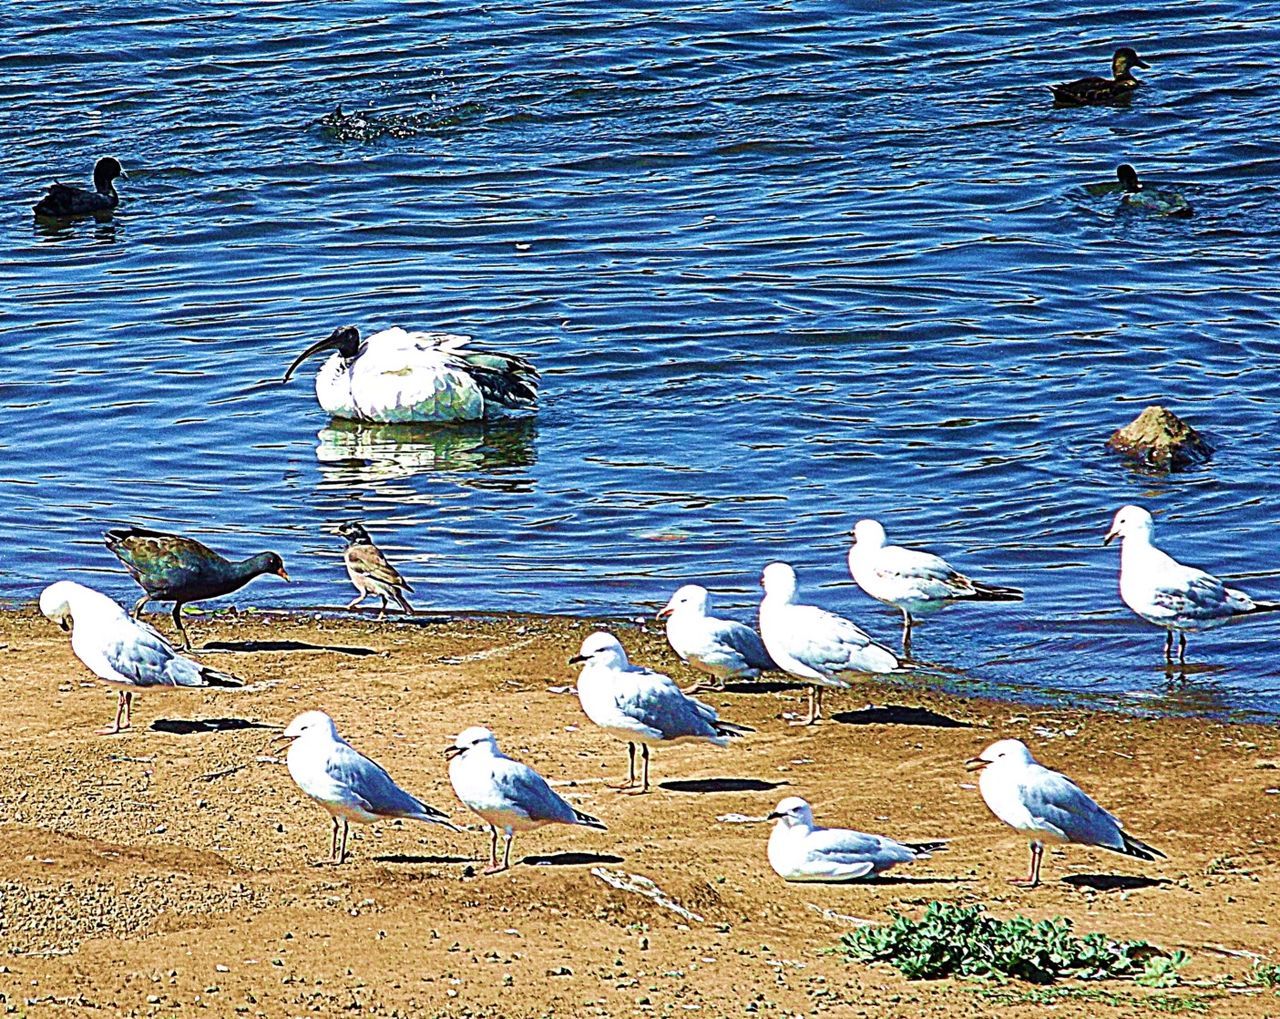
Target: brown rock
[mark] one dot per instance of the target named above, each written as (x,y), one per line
(1159,438)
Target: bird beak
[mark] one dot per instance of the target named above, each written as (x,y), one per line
(280,573)
(1139,62)
(123,174)
(775,816)
(576,659)
(1111,534)
(330,342)
(975,764)
(451,752)
(66,627)
(280,738)
(663,612)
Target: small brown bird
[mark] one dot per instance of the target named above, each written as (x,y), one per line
(369,570)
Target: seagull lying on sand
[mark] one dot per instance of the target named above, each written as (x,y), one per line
(800,850)
(814,645)
(1164,592)
(638,705)
(345,782)
(396,375)
(912,581)
(506,793)
(1046,806)
(122,652)
(722,648)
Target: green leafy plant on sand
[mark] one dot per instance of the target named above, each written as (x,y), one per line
(952,940)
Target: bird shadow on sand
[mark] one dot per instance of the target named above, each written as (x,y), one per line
(719,785)
(283,645)
(898,714)
(902,879)
(191,726)
(570,860)
(408,858)
(1113,882)
(757,686)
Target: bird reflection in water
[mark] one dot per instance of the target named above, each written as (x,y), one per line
(351,452)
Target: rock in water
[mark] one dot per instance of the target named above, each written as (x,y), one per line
(1159,438)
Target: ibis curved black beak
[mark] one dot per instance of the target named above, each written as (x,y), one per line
(345,340)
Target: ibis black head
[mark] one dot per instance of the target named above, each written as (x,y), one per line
(345,340)
(1128,176)
(105,170)
(1125,58)
(355,533)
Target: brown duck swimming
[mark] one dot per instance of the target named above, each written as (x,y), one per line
(1095,90)
(65,202)
(169,567)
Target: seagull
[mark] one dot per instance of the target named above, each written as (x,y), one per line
(800,850)
(120,651)
(638,705)
(170,567)
(507,794)
(1094,89)
(369,570)
(723,648)
(912,581)
(397,376)
(816,646)
(66,202)
(345,782)
(1046,806)
(1164,592)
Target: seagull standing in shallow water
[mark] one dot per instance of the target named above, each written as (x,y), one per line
(345,782)
(800,850)
(399,376)
(1046,806)
(120,651)
(912,581)
(816,646)
(638,705)
(1166,593)
(507,794)
(722,648)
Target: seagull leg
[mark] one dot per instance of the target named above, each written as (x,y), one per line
(906,633)
(644,750)
(333,841)
(1182,648)
(177,621)
(137,608)
(111,730)
(346,830)
(128,709)
(1033,878)
(357,600)
(1168,647)
(382,612)
(493,867)
(812,716)
(631,771)
(817,700)
(506,850)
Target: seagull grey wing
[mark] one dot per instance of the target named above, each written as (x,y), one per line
(746,642)
(664,709)
(1056,801)
(143,657)
(521,785)
(843,845)
(371,785)
(927,575)
(833,645)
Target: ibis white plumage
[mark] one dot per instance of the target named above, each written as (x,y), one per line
(401,376)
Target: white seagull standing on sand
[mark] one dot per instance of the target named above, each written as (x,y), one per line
(722,648)
(1164,592)
(912,581)
(506,793)
(396,376)
(814,645)
(800,850)
(122,652)
(345,782)
(1046,806)
(638,705)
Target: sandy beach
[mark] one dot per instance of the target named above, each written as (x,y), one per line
(170,869)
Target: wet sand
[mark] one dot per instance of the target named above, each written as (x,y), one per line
(170,869)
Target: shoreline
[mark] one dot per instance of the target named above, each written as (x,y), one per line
(173,858)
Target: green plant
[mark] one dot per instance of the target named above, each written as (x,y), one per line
(1266,974)
(1162,970)
(953,940)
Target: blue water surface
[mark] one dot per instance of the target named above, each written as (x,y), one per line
(782,266)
